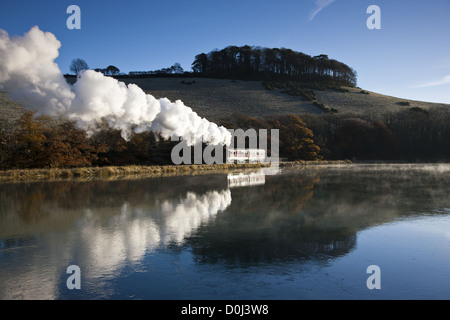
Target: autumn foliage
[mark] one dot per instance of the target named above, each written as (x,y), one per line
(39,142)
(42,142)
(296,139)
(410,135)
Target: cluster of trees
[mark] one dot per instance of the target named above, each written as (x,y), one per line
(296,139)
(41,142)
(176,69)
(78,65)
(253,63)
(264,63)
(410,135)
(109,71)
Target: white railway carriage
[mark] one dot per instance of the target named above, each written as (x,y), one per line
(245,155)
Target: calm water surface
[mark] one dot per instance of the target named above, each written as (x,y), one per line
(300,234)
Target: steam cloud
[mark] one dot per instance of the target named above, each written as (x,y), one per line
(28,71)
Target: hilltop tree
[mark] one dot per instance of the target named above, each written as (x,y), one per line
(200,63)
(78,65)
(176,68)
(112,70)
(101,70)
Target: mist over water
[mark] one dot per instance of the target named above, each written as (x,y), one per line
(301,234)
(29,73)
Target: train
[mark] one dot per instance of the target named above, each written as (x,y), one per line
(245,155)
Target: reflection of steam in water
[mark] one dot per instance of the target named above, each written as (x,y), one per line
(184,218)
(129,235)
(101,246)
(107,245)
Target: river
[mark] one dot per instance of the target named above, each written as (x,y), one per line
(304,233)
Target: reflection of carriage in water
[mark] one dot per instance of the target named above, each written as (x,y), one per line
(245,155)
(244,180)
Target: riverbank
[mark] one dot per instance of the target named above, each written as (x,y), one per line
(115,172)
(133,172)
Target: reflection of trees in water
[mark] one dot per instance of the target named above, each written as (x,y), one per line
(284,220)
(370,196)
(267,223)
(310,214)
(38,202)
(175,207)
(31,208)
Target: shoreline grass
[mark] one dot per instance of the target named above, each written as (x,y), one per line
(135,171)
(115,172)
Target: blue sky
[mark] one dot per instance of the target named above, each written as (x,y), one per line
(409,57)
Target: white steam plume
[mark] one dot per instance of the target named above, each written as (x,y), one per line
(29,73)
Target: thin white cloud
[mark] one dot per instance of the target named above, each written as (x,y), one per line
(320,5)
(445,80)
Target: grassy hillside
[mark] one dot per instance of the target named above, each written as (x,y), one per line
(217,98)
